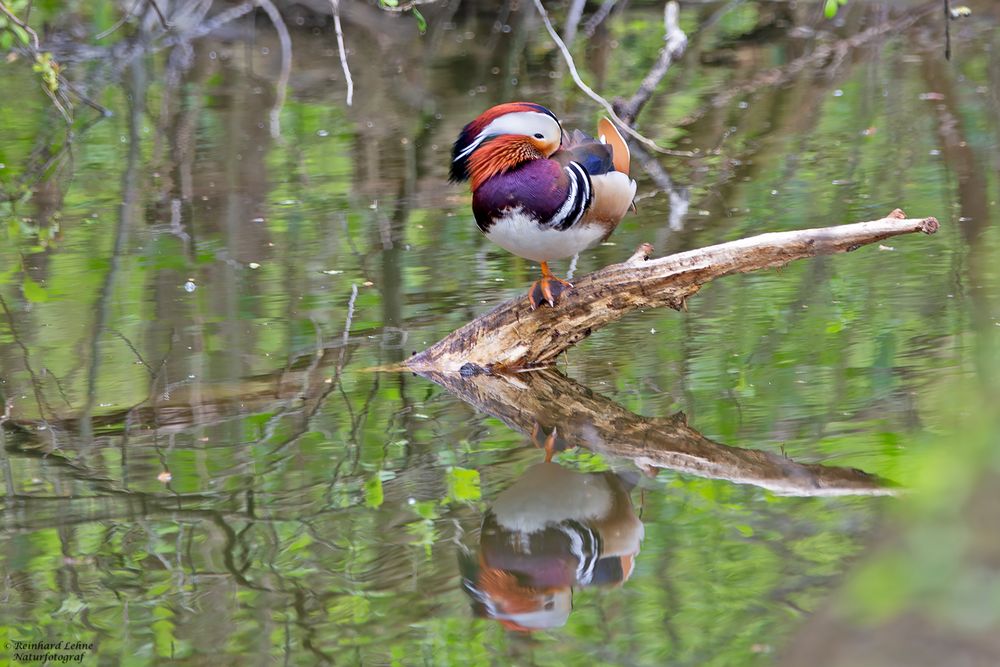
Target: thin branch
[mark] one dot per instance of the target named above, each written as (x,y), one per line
(343,52)
(286,63)
(213,24)
(405,7)
(20,24)
(607,106)
(57,104)
(40,402)
(120,22)
(674,44)
(590,27)
(350,317)
(573,17)
(515,337)
(159,14)
(947,29)
(93,104)
(138,355)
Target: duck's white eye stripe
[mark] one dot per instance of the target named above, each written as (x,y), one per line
(527,123)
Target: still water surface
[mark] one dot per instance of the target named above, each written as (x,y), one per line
(204,463)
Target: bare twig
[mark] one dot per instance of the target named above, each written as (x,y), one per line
(213,24)
(93,104)
(343,51)
(286,63)
(138,355)
(159,14)
(513,336)
(598,18)
(674,44)
(573,17)
(120,22)
(347,330)
(20,24)
(607,106)
(405,7)
(947,29)
(40,402)
(57,104)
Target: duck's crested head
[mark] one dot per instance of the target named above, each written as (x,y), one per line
(511,599)
(535,126)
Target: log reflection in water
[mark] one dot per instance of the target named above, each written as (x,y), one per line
(549,399)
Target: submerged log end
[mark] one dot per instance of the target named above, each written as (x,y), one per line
(929,225)
(926,225)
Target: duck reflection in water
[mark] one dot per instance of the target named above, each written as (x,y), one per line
(552,530)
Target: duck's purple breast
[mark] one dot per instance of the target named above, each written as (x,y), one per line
(538,187)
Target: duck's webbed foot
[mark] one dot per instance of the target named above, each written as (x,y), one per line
(548,289)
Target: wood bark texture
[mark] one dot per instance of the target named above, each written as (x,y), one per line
(514,337)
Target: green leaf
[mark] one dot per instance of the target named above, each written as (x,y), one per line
(830,10)
(463,485)
(426,509)
(33,291)
(71,605)
(421,21)
(303,541)
(163,637)
(373,491)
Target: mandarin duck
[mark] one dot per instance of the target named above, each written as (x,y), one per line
(539,193)
(552,530)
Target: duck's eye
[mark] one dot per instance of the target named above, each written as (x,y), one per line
(539,135)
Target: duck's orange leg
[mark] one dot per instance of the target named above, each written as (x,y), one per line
(548,289)
(550,442)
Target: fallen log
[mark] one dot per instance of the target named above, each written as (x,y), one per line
(546,401)
(514,337)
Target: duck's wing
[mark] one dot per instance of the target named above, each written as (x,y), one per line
(609,152)
(606,162)
(595,158)
(608,134)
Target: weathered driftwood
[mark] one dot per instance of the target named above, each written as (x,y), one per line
(544,400)
(516,337)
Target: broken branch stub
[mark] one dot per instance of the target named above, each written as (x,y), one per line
(514,336)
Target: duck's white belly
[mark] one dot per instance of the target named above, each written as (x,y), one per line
(520,234)
(548,494)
